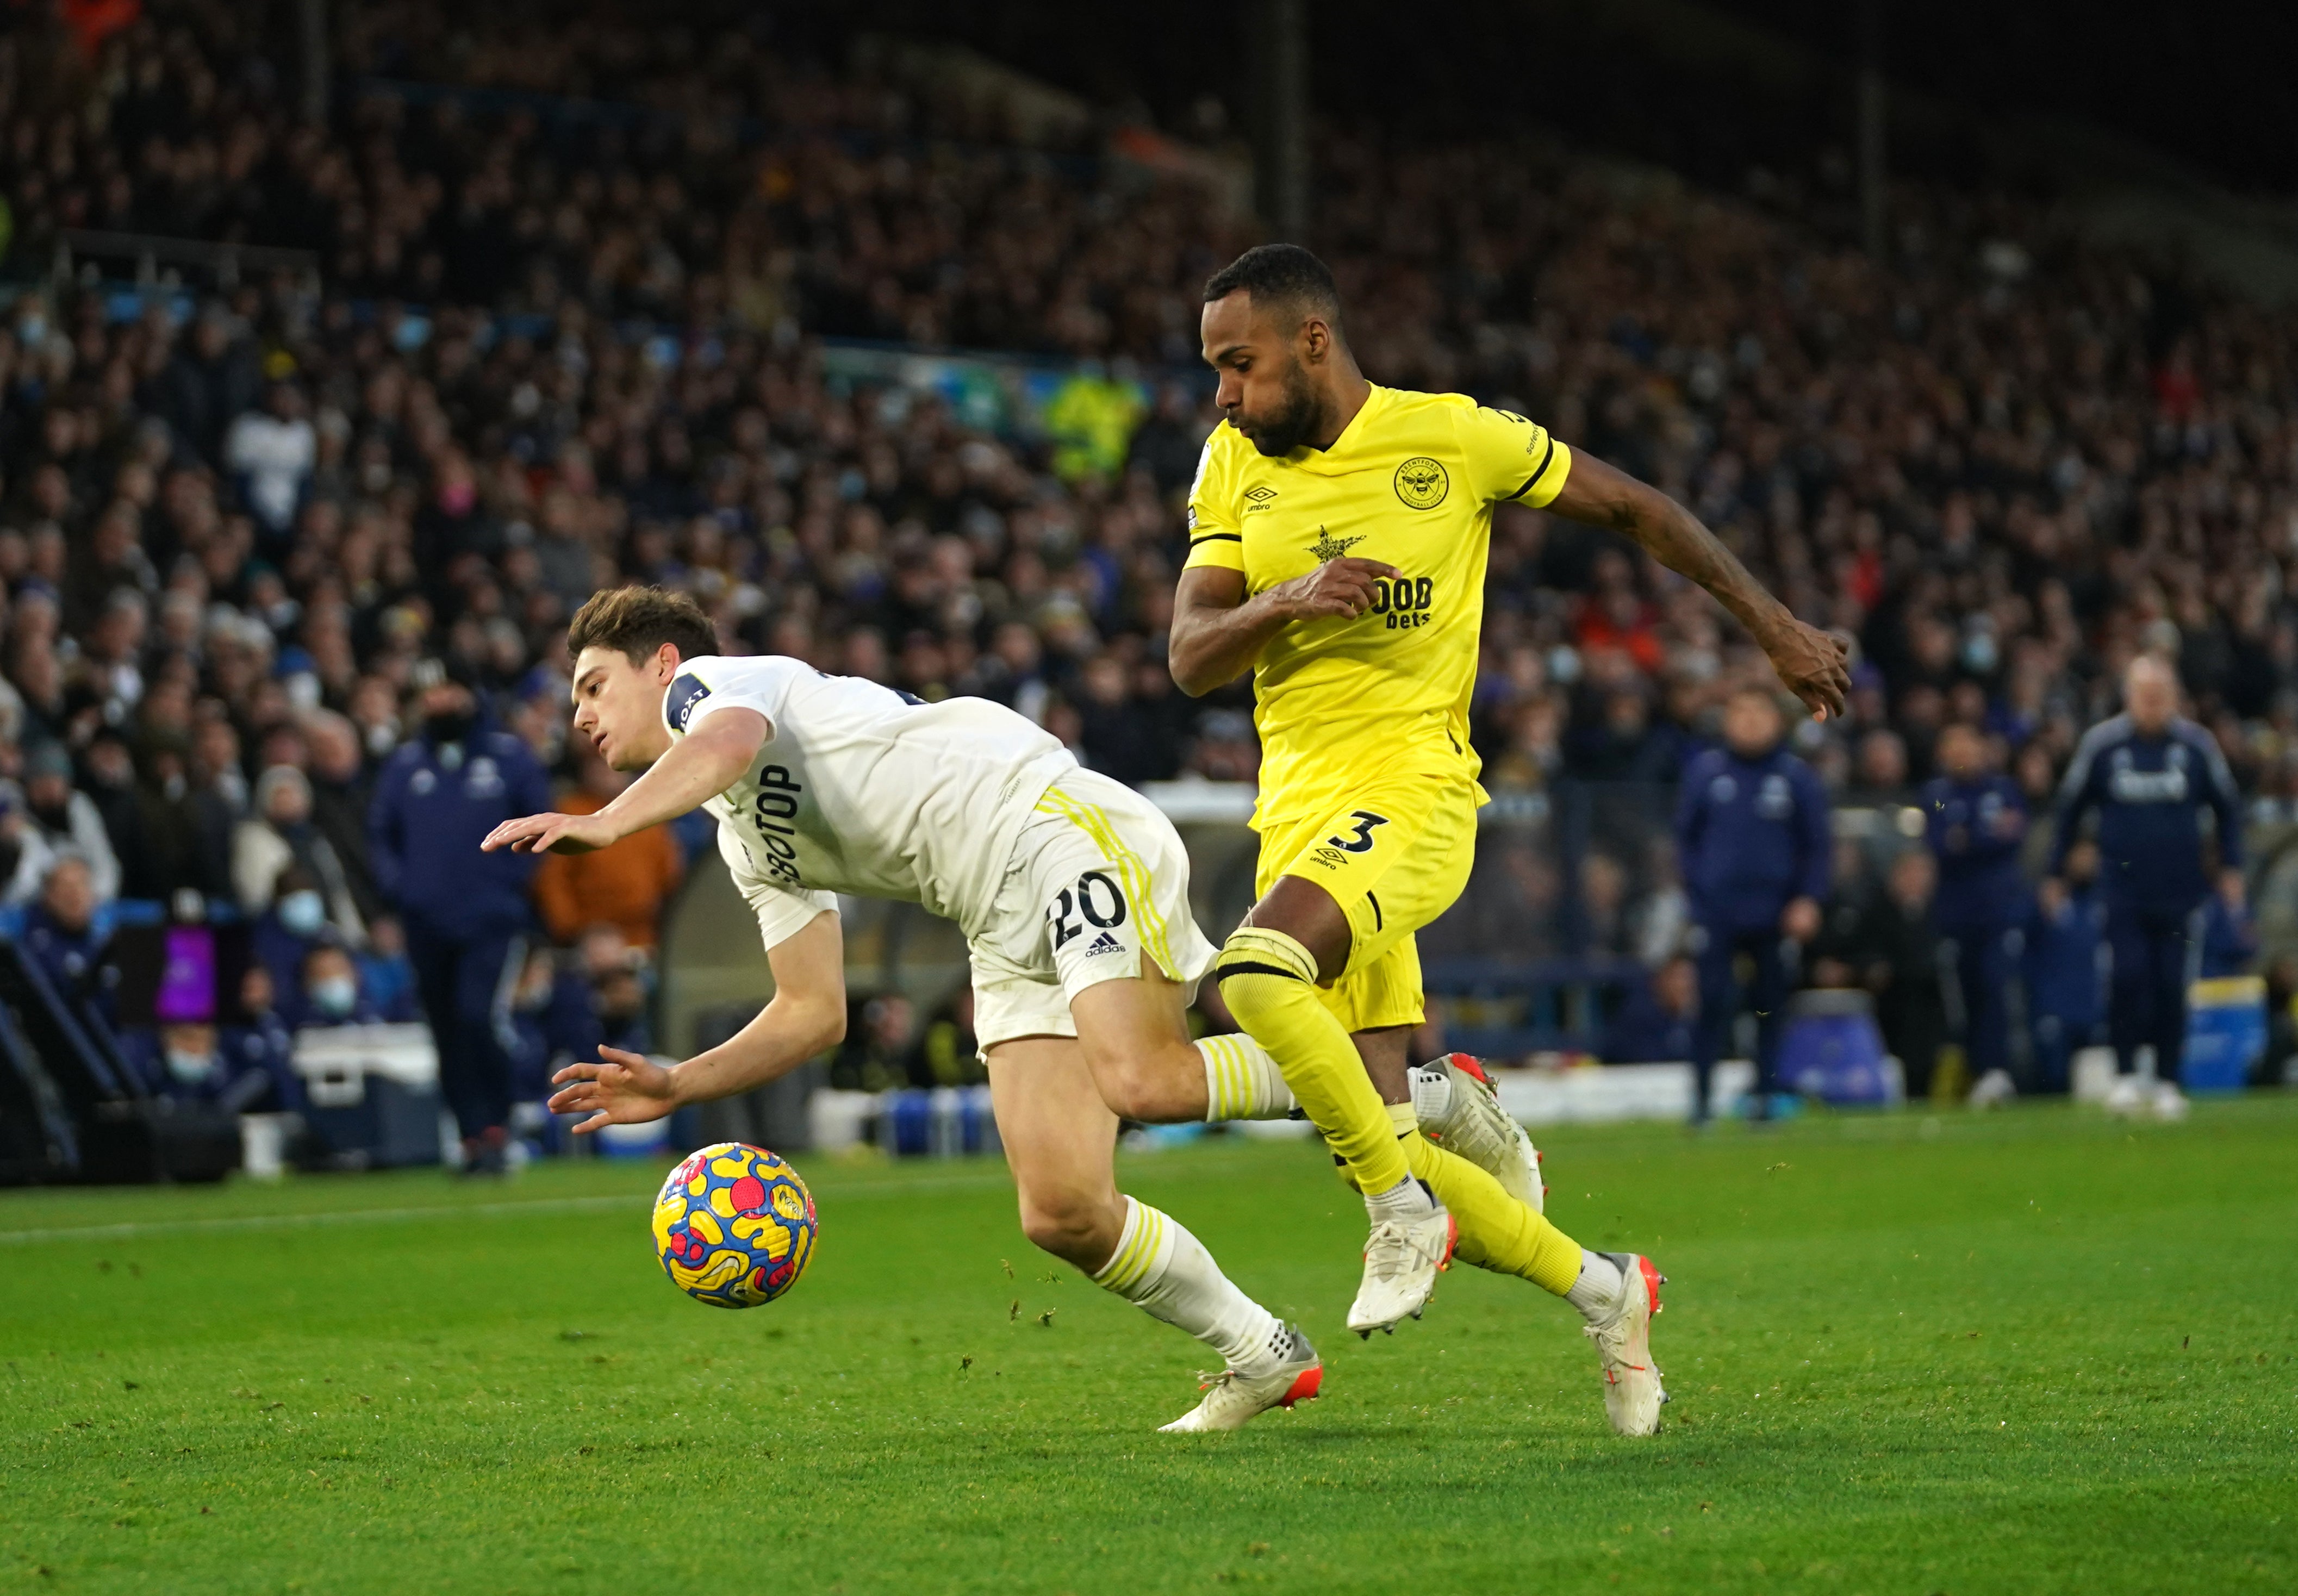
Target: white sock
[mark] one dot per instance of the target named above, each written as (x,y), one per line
(1408,1199)
(1596,1292)
(1166,1272)
(1241,1081)
(1432,1094)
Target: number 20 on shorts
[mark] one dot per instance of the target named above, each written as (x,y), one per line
(1096,899)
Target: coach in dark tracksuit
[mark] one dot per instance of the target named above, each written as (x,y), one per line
(466,912)
(1751,831)
(1975,821)
(2149,773)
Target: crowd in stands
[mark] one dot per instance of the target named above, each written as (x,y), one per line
(544,352)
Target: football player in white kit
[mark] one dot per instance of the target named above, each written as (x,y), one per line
(1073,894)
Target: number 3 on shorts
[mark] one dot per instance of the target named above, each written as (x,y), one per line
(1362,842)
(1096,899)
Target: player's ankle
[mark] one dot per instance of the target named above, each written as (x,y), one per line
(1408,1199)
(1596,1292)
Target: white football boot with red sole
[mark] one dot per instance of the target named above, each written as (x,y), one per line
(1459,1110)
(1633,1392)
(1232,1400)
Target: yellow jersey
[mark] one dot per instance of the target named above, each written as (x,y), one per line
(1411,482)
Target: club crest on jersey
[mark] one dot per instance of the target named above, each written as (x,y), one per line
(1423,483)
(1328,546)
(678,704)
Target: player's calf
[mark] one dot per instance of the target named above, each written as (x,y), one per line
(1166,1272)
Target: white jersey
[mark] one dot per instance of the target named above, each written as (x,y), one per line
(862,789)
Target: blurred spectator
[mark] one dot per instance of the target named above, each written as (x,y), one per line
(626,885)
(285,932)
(1601,909)
(281,833)
(947,1055)
(1225,748)
(58,820)
(876,1056)
(616,976)
(2228,938)
(241,1069)
(110,786)
(261,1043)
(1662,915)
(273,451)
(556,1022)
(2152,775)
(463,912)
(2063,964)
(1975,820)
(1130,729)
(1879,773)
(60,928)
(1656,1022)
(619,998)
(331,994)
(341,797)
(2278,1064)
(386,976)
(187,830)
(1752,831)
(1890,947)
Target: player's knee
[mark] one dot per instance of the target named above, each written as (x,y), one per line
(1129,1086)
(1069,1225)
(1259,970)
(1155,1085)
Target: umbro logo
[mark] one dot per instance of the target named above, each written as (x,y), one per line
(1260,494)
(1103,943)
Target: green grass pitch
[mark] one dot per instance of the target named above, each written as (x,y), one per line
(2038,1350)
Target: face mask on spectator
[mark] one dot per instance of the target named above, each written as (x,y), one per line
(451,727)
(189,1067)
(335,995)
(304,912)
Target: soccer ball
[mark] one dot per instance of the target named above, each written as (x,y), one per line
(734,1225)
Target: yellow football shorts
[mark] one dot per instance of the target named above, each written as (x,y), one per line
(1395,859)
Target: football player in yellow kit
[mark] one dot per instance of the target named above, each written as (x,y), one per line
(1338,535)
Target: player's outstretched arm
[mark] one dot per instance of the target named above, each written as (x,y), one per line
(701,764)
(808,1014)
(1813,665)
(1218,634)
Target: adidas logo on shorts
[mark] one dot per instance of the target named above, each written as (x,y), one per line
(1105,943)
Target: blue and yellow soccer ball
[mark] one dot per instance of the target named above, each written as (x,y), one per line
(734,1225)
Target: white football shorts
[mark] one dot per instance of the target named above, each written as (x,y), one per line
(1098,879)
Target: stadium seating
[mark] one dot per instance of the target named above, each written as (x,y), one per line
(637,307)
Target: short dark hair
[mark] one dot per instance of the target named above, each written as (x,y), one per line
(1280,273)
(636,621)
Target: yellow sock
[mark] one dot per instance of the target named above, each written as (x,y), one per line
(1268,980)
(1497,1232)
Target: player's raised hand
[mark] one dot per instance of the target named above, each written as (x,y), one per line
(551,833)
(1339,587)
(1816,666)
(623,1088)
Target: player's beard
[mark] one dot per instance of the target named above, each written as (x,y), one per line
(1293,421)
